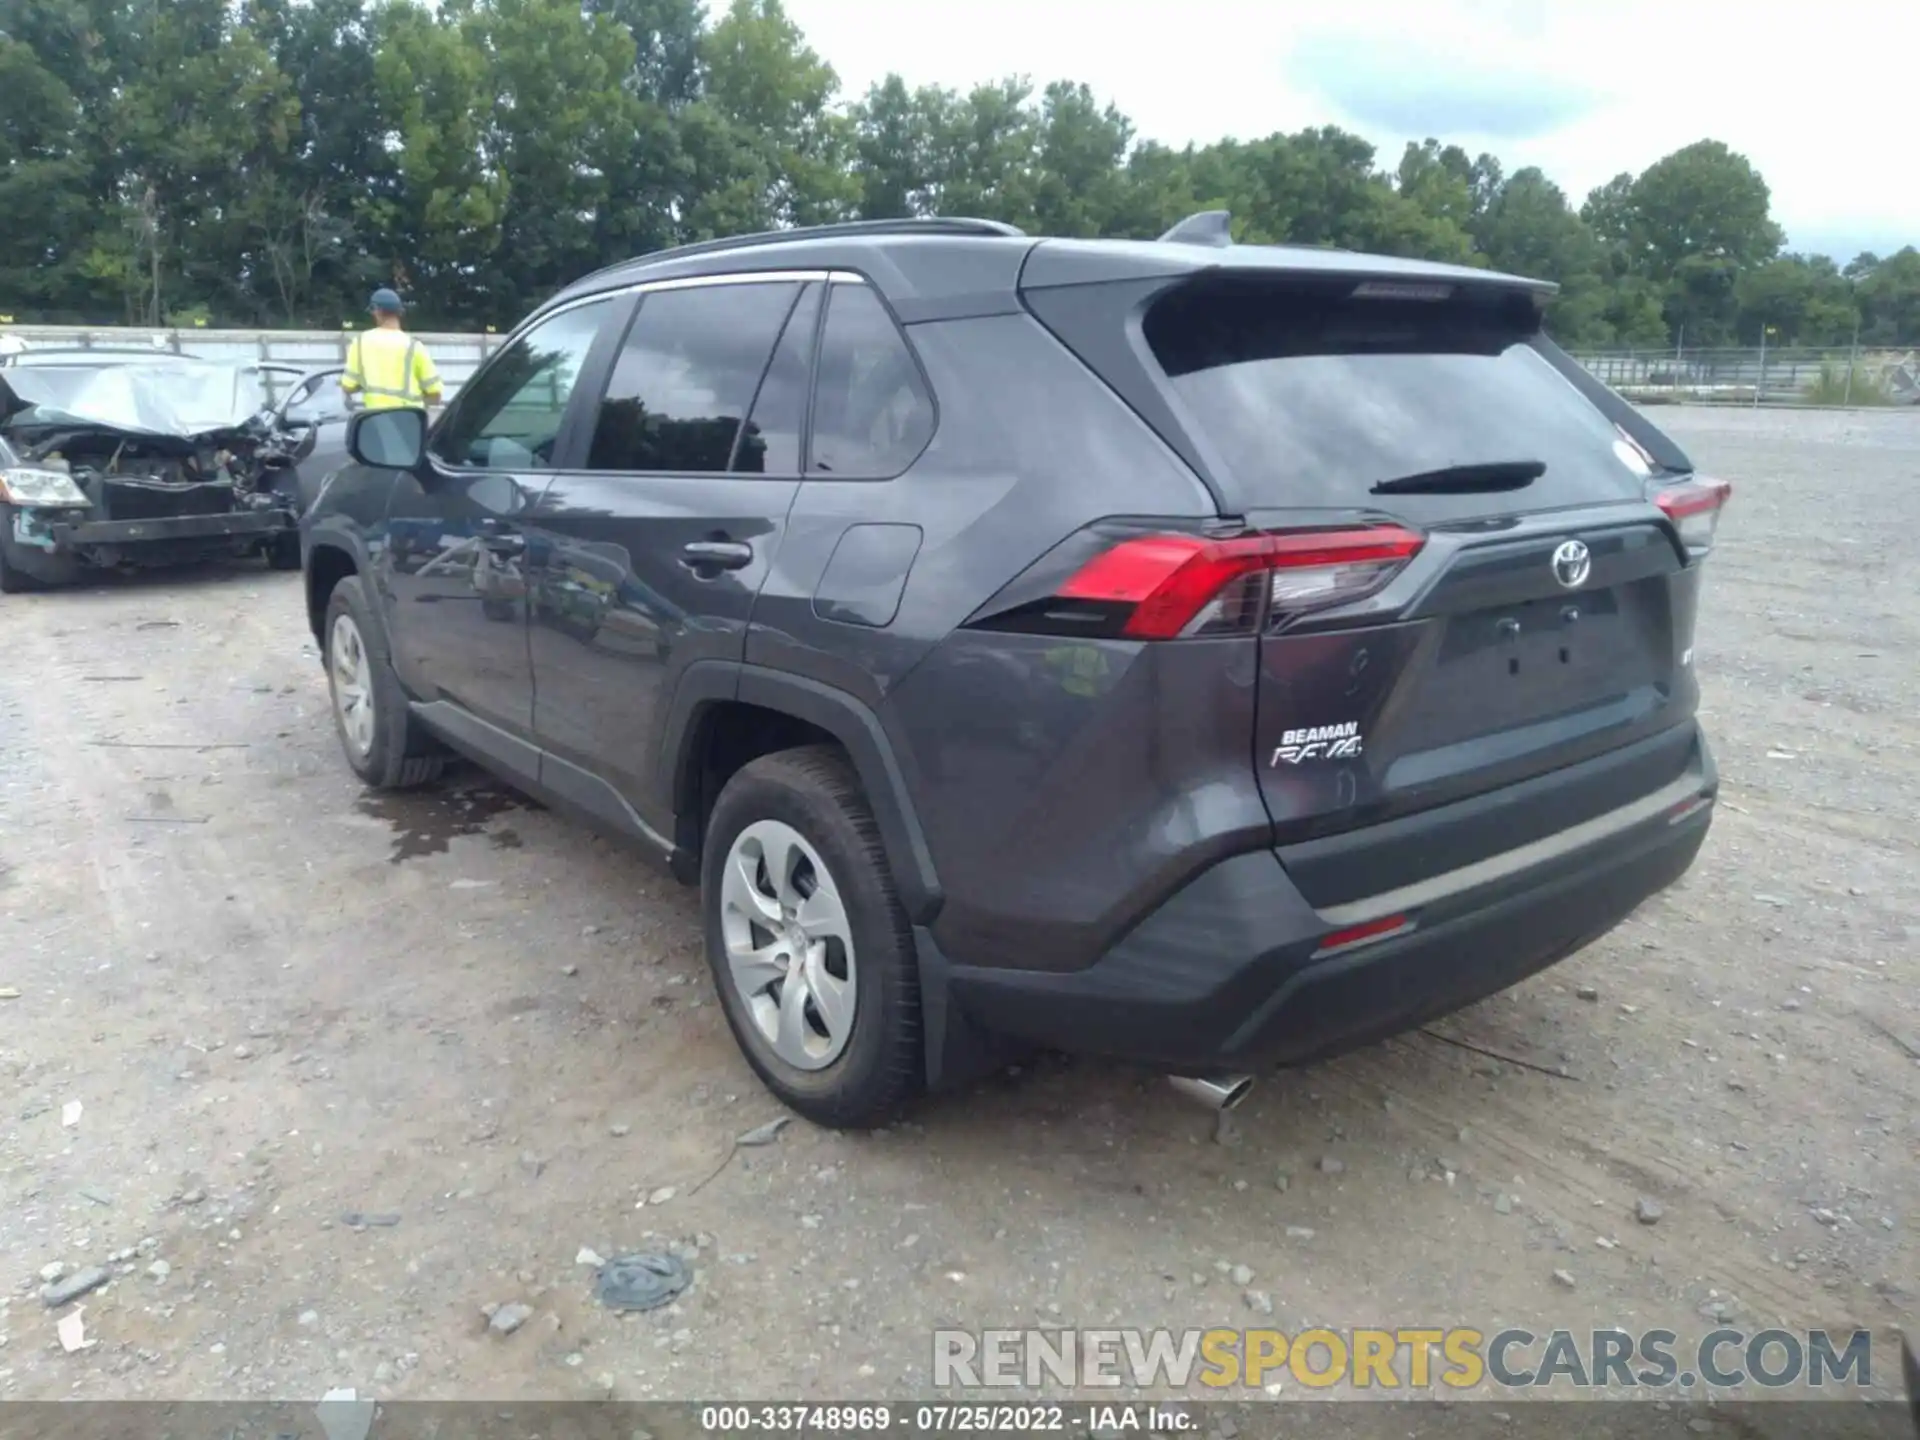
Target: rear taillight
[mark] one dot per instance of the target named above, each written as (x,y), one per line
(1694,508)
(1164,587)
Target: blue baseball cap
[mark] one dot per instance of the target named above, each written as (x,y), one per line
(385,299)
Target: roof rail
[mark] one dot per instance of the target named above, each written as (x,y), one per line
(849,229)
(1209,227)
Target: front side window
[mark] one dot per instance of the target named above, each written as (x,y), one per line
(508,416)
(872,415)
(686,377)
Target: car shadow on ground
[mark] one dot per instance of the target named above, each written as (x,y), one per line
(161,577)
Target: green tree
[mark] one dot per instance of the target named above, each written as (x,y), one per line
(1157,191)
(981,149)
(1704,202)
(1082,146)
(271,160)
(778,95)
(442,227)
(891,143)
(562,117)
(1440,180)
(203,129)
(668,69)
(1529,229)
(1797,300)
(1609,211)
(340,178)
(43,174)
(1889,295)
(1700,301)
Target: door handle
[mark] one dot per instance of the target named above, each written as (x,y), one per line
(716,555)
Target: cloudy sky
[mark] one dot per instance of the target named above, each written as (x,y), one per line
(1583,88)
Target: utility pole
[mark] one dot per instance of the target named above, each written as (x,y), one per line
(1761,384)
(150,222)
(1853,359)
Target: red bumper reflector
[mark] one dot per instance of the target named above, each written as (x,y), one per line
(1358,934)
(1688,807)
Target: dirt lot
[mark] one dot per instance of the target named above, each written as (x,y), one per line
(274,1001)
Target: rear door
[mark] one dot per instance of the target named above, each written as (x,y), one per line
(648,556)
(1531,608)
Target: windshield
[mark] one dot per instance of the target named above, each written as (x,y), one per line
(1313,399)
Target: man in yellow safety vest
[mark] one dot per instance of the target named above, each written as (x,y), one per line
(386,367)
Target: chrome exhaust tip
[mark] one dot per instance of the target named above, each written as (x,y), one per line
(1216,1092)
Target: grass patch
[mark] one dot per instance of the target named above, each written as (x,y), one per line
(1832,388)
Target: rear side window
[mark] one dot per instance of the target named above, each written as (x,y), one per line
(686,375)
(1310,399)
(872,415)
(770,444)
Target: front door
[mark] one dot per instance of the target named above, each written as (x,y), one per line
(650,553)
(455,563)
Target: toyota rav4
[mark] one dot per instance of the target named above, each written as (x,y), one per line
(1209,656)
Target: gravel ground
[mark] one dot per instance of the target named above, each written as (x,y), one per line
(268,1003)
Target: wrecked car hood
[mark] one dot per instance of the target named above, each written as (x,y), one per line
(173,401)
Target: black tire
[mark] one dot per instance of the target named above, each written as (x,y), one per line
(882,1067)
(283,551)
(13,580)
(402,754)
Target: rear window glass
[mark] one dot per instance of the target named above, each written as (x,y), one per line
(1311,400)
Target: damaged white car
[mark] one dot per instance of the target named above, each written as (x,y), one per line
(124,460)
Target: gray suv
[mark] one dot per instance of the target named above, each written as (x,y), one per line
(1208,656)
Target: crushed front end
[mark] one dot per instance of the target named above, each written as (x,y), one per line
(133,466)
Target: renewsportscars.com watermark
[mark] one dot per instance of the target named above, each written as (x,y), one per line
(1408,1358)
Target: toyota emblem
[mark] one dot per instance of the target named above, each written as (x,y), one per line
(1572,563)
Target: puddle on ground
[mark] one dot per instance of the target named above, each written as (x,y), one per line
(426,822)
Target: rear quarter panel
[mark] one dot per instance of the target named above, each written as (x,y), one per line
(1016,749)
(1028,447)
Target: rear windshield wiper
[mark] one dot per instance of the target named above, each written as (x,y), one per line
(1466,479)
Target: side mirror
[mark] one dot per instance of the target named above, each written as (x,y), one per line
(388,439)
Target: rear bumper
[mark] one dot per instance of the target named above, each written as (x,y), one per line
(230,524)
(1236,972)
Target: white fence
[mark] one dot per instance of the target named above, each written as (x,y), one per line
(457,356)
(1779,377)
(1849,377)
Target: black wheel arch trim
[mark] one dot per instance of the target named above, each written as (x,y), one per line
(707,683)
(329,537)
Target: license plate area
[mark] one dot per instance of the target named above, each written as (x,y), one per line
(1549,656)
